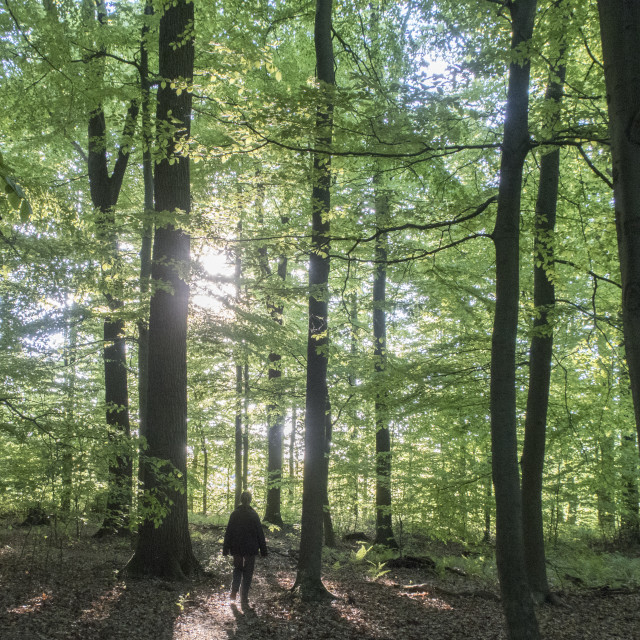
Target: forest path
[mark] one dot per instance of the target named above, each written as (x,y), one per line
(63,589)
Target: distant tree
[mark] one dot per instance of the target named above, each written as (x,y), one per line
(384,528)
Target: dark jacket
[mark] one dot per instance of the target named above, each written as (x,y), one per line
(244,535)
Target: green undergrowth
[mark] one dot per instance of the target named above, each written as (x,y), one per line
(572,565)
(577,565)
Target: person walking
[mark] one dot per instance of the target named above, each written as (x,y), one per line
(243,538)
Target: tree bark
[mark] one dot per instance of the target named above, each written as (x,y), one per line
(292,450)
(105,189)
(309,575)
(275,408)
(245,431)
(540,360)
(620,33)
(516,598)
(384,526)
(147,235)
(164,544)
(205,475)
(238,356)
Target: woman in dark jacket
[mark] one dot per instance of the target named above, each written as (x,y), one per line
(243,538)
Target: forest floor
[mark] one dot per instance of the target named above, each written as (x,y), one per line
(54,586)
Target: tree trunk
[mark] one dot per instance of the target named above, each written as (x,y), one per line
(238,436)
(238,417)
(292,451)
(205,475)
(275,408)
(71,344)
(630,518)
(105,189)
(164,544)
(384,527)
(309,576)
(540,360)
(245,433)
(516,598)
(620,32)
(147,234)
(486,537)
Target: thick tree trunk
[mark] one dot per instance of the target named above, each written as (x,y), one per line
(164,544)
(309,576)
(516,598)
(630,517)
(486,537)
(540,362)
(384,527)
(620,32)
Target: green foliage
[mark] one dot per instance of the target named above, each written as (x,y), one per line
(420,100)
(575,564)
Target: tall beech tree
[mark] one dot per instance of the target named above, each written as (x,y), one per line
(275,408)
(620,33)
(541,349)
(164,544)
(105,190)
(240,480)
(147,221)
(384,528)
(516,598)
(309,575)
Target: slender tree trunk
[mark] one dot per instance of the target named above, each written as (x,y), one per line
(487,514)
(238,356)
(540,360)
(205,475)
(238,436)
(292,451)
(516,598)
(384,527)
(164,548)
(105,190)
(71,340)
(605,487)
(147,235)
(309,576)
(620,32)
(245,433)
(275,408)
